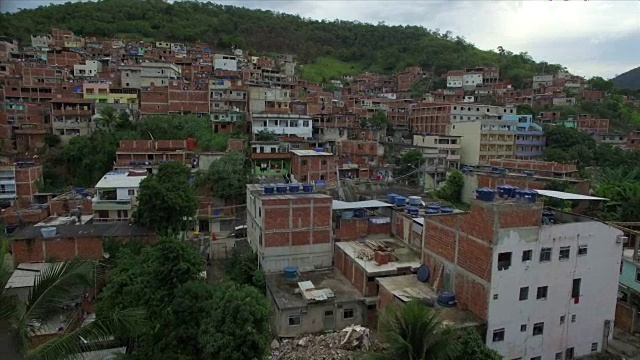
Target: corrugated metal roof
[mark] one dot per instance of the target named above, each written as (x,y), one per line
(342,205)
(567,196)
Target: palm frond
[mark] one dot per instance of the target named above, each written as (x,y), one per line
(54,286)
(72,344)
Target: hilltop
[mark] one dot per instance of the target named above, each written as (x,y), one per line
(342,47)
(628,80)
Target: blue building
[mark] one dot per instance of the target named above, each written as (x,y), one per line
(530,140)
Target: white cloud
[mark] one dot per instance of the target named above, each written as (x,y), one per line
(573,33)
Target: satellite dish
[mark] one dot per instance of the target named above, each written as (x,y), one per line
(106,255)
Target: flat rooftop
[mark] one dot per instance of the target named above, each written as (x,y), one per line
(258,190)
(119,179)
(116,229)
(407,287)
(311,153)
(401,255)
(287,295)
(64,220)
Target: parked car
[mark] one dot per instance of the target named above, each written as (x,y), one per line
(239,232)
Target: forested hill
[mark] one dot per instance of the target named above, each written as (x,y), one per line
(365,47)
(628,80)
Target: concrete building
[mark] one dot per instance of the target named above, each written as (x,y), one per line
(91,68)
(225,62)
(150,154)
(615,140)
(454,79)
(542,81)
(270,158)
(289,229)
(530,140)
(283,124)
(313,166)
(471,79)
(115,198)
(19,180)
(145,74)
(441,153)
(72,117)
(483,140)
(272,100)
(547,288)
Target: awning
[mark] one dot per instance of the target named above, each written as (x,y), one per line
(342,205)
(567,196)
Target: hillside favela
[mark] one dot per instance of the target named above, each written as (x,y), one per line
(190,180)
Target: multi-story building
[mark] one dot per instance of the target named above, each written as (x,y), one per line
(270,158)
(530,140)
(91,68)
(270,100)
(315,166)
(289,228)
(542,81)
(8,48)
(430,118)
(225,62)
(591,125)
(115,198)
(615,140)
(150,154)
(146,74)
(283,124)
(359,157)
(633,140)
(484,139)
(96,90)
(72,117)
(454,79)
(545,284)
(441,152)
(19,180)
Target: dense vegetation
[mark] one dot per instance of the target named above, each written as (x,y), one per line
(332,47)
(628,80)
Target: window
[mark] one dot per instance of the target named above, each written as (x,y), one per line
(538,329)
(348,314)
(131,192)
(524,293)
(582,250)
(303,162)
(562,319)
(541,294)
(594,347)
(498,335)
(573,318)
(558,356)
(322,178)
(575,289)
(294,320)
(504,261)
(324,162)
(637,274)
(568,354)
(523,327)
(536,358)
(328,313)
(545,254)
(527,255)
(565,252)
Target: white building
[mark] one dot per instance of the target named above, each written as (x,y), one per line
(225,62)
(542,81)
(470,80)
(90,68)
(283,124)
(146,74)
(454,81)
(116,193)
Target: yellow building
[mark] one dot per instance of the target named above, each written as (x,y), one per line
(483,140)
(118,98)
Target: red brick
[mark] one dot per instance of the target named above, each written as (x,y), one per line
(441,241)
(475,257)
(276,239)
(321,236)
(300,238)
(471,295)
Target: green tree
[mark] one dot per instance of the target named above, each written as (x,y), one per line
(472,347)
(598,83)
(414,331)
(242,268)
(238,326)
(452,189)
(88,158)
(409,162)
(166,200)
(228,176)
(266,135)
(378,121)
(525,109)
(52,289)
(109,118)
(52,140)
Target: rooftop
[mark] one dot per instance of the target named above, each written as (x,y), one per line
(310,153)
(407,287)
(116,229)
(116,179)
(64,220)
(287,294)
(25,274)
(567,196)
(342,205)
(401,256)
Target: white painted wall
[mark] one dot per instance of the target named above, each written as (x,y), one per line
(471,80)
(123,193)
(598,269)
(454,81)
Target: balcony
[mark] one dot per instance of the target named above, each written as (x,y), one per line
(536,153)
(453,157)
(108,220)
(69,125)
(64,112)
(107,205)
(531,142)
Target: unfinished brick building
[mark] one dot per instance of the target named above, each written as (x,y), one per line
(313,166)
(149,154)
(429,118)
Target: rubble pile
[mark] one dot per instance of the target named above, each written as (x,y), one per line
(341,345)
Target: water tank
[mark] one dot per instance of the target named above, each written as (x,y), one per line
(319,149)
(446,210)
(467,169)
(347,214)
(290,272)
(415,200)
(413,210)
(294,188)
(518,194)
(78,190)
(359,213)
(48,232)
(434,206)
(268,189)
(504,191)
(431,212)
(447,299)
(495,168)
(423,273)
(308,188)
(281,188)
(191,144)
(485,194)
(400,200)
(530,196)
(391,198)
(10,228)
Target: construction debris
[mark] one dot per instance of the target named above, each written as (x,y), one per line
(341,345)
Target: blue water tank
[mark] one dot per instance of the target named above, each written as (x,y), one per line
(10,228)
(518,194)
(319,149)
(485,194)
(467,169)
(495,168)
(78,190)
(413,211)
(281,188)
(359,213)
(447,299)
(434,207)
(268,189)
(446,210)
(400,200)
(294,188)
(423,273)
(391,198)
(415,200)
(290,272)
(308,188)
(432,211)
(530,196)
(504,190)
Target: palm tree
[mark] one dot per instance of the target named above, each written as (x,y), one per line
(109,117)
(52,289)
(414,332)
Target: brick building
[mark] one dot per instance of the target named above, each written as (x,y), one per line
(313,166)
(633,140)
(589,124)
(72,117)
(362,153)
(289,229)
(429,118)
(149,154)
(20,180)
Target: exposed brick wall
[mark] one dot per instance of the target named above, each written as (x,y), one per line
(297,221)
(352,229)
(624,317)
(532,165)
(313,168)
(493,181)
(235,145)
(471,295)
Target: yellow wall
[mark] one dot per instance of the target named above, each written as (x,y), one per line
(470,141)
(124,99)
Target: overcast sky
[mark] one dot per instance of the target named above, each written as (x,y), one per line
(589,37)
